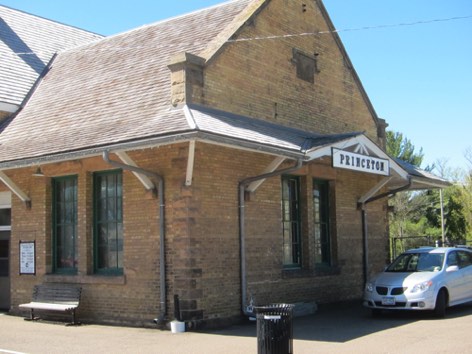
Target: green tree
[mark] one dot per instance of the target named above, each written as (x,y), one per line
(454,218)
(402,148)
(406,207)
(419,213)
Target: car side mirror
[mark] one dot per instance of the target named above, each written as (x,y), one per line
(452,268)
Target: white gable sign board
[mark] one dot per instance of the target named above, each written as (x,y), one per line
(358,162)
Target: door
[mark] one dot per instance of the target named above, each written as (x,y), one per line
(5,231)
(465,265)
(455,279)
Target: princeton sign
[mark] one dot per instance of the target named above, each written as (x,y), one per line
(362,163)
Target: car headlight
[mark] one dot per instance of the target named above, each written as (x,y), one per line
(424,286)
(369,287)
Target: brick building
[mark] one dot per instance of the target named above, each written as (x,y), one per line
(27,44)
(208,156)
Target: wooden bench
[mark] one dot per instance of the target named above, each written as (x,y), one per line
(54,297)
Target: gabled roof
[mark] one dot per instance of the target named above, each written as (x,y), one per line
(27,43)
(113,90)
(115,94)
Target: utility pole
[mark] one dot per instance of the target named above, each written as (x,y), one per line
(442,216)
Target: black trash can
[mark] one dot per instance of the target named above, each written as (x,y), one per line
(274,329)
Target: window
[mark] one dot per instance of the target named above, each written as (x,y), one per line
(305,64)
(5,219)
(4,253)
(65,224)
(291,221)
(452,259)
(108,223)
(321,219)
(5,228)
(465,259)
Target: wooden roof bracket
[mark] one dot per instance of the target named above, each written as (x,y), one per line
(362,200)
(252,187)
(145,180)
(190,163)
(15,189)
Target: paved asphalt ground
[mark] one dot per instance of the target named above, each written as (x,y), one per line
(346,328)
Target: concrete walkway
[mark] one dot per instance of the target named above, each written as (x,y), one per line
(347,328)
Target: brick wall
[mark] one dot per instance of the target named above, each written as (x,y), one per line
(131,298)
(254,78)
(257,78)
(202,239)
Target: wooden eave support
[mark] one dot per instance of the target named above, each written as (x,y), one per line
(15,189)
(252,187)
(145,180)
(374,190)
(190,163)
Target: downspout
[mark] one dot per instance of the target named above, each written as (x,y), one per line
(162,266)
(248,310)
(365,244)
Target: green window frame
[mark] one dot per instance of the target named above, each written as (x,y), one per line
(291,222)
(108,222)
(321,217)
(64,212)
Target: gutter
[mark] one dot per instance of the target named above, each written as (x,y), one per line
(179,137)
(160,191)
(249,310)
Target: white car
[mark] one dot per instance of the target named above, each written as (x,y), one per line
(424,278)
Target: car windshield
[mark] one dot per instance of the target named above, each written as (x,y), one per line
(417,262)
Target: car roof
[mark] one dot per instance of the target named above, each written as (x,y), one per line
(428,249)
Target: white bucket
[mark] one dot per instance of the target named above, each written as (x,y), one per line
(177,327)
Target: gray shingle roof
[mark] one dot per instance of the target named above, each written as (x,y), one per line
(200,123)
(421,175)
(116,92)
(113,90)
(27,43)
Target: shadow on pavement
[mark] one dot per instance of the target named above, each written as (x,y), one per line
(344,322)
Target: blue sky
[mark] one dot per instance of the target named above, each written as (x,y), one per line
(418,76)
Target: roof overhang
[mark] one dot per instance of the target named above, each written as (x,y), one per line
(245,133)
(8,107)
(401,175)
(359,144)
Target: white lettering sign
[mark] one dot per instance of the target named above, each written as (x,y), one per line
(362,163)
(27,257)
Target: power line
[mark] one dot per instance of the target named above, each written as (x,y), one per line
(365,28)
(282,36)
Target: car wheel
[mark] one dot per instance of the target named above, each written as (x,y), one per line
(441,302)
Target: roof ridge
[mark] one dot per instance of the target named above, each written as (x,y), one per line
(50,20)
(152,24)
(232,28)
(165,20)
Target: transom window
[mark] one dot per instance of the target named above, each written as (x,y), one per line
(108,222)
(65,224)
(291,221)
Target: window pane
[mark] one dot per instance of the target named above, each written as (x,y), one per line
(65,224)
(4,248)
(108,222)
(5,217)
(291,221)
